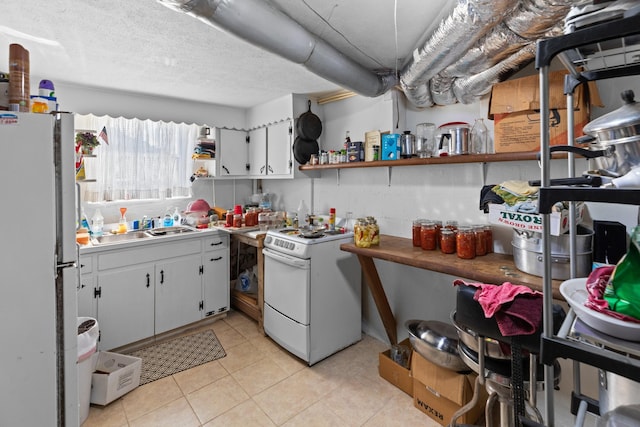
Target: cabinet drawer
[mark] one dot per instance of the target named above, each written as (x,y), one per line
(86,264)
(213,243)
(148,253)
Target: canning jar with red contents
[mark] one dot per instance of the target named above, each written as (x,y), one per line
(229,218)
(428,236)
(488,238)
(451,224)
(466,243)
(447,241)
(415,231)
(438,224)
(481,241)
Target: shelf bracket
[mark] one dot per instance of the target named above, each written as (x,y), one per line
(389,176)
(485,166)
(338,177)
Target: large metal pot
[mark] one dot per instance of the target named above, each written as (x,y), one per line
(614,139)
(437,342)
(615,391)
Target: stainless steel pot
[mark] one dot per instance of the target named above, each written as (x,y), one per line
(615,391)
(527,253)
(437,342)
(456,134)
(614,139)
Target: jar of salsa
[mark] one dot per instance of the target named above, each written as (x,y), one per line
(451,224)
(481,241)
(488,238)
(229,219)
(447,241)
(466,243)
(428,236)
(438,224)
(415,232)
(237,220)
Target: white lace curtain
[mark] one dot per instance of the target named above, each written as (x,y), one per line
(143,159)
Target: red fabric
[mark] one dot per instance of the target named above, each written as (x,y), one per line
(517,309)
(596,284)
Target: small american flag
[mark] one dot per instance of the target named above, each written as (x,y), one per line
(103,135)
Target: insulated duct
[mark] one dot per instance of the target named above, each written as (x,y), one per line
(468,22)
(279,34)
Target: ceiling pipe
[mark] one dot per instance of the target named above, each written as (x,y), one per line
(259,23)
(468,22)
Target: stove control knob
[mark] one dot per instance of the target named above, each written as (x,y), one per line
(268,239)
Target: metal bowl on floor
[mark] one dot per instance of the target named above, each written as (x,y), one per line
(469,338)
(437,342)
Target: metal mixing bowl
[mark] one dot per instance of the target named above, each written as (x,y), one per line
(437,342)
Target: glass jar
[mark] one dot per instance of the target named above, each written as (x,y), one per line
(438,224)
(488,238)
(229,219)
(361,235)
(481,243)
(415,231)
(374,230)
(237,220)
(447,241)
(466,243)
(251,217)
(451,224)
(428,236)
(479,137)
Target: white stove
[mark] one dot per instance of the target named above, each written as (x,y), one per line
(291,242)
(312,304)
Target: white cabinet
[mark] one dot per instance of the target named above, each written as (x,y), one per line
(215,277)
(279,150)
(125,305)
(258,152)
(178,292)
(232,153)
(142,290)
(86,288)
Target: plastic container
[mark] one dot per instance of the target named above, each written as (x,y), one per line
(19,86)
(332,219)
(177,218)
(97,223)
(87,342)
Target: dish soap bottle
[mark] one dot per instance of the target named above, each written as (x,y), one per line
(84,222)
(177,219)
(97,223)
(122,224)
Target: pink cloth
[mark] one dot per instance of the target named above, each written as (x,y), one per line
(514,316)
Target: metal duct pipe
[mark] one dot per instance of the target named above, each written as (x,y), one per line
(532,19)
(471,89)
(281,35)
(468,22)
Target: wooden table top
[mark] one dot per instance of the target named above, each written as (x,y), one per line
(491,268)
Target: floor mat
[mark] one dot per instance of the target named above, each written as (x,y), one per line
(169,357)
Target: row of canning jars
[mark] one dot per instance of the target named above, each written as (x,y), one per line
(465,241)
(366,232)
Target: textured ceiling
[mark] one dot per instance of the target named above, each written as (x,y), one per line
(143,46)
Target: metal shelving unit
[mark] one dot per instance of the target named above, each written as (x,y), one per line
(603,51)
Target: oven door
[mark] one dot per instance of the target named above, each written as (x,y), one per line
(286,284)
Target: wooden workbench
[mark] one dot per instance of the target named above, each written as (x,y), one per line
(490,268)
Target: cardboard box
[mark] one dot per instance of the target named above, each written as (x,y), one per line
(440,392)
(515,110)
(373,139)
(396,374)
(115,375)
(558,221)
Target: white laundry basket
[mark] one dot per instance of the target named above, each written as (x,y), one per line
(87,342)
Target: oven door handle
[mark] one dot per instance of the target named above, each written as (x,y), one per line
(286,259)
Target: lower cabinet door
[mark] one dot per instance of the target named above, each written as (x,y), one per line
(215,281)
(125,305)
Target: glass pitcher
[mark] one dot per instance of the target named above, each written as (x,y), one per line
(425,145)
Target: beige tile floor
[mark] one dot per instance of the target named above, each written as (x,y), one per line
(260,384)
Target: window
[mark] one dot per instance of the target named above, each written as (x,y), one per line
(141,159)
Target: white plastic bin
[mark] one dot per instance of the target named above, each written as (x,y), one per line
(87,342)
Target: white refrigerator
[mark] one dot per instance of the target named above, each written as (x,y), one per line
(38,271)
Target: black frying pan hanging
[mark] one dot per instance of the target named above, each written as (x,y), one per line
(303,149)
(309,125)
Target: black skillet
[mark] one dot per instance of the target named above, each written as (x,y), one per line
(304,148)
(309,125)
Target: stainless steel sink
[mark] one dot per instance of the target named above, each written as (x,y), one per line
(167,231)
(117,238)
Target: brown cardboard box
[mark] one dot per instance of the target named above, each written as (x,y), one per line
(373,139)
(394,373)
(440,392)
(515,106)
